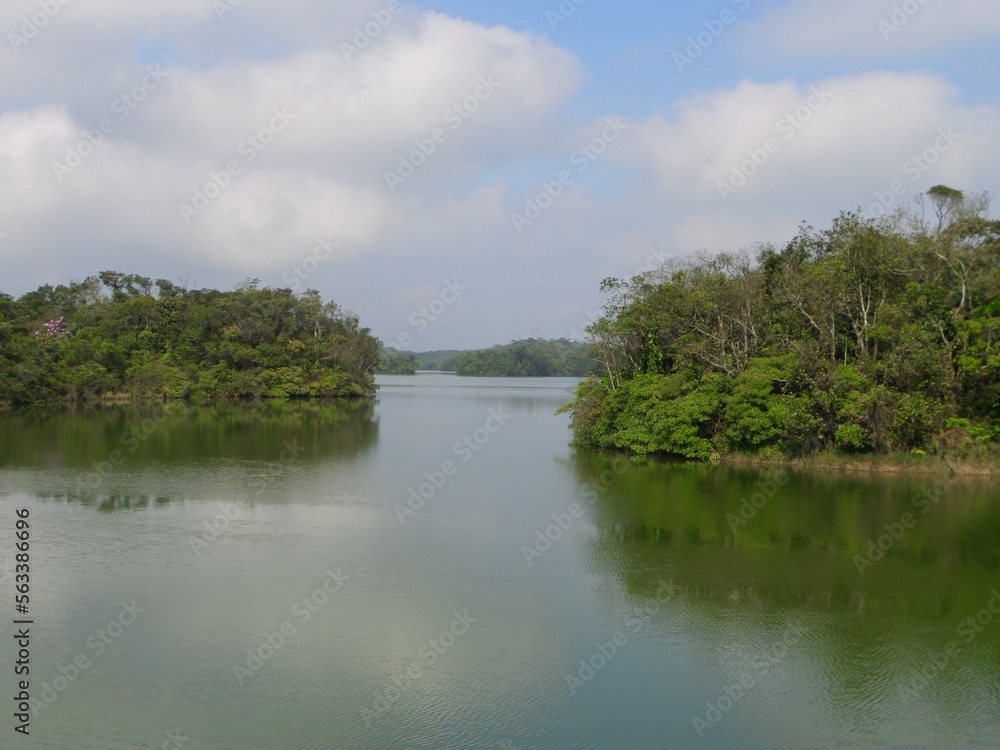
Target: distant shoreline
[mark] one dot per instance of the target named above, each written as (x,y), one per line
(480,377)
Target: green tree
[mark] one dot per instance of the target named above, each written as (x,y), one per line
(871,336)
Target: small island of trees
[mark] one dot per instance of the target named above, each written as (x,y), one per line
(123,336)
(875,336)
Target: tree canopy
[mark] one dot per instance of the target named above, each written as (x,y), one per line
(124,335)
(527,358)
(395,362)
(533,357)
(875,335)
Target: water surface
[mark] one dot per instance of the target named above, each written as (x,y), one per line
(286,585)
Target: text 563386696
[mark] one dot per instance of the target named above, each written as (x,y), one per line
(22,598)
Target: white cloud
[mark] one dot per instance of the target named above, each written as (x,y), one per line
(355,119)
(320,171)
(867,29)
(835,156)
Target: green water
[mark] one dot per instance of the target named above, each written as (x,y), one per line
(251,576)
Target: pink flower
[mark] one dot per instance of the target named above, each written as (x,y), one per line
(55,328)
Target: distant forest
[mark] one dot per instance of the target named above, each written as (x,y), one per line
(526,358)
(125,336)
(876,335)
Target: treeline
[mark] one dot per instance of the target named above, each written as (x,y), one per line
(118,335)
(526,358)
(440,359)
(395,362)
(876,335)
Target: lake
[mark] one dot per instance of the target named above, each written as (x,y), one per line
(438,568)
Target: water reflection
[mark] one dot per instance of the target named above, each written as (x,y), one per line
(127,458)
(80,437)
(878,621)
(219,538)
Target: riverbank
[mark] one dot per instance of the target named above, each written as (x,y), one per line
(141,400)
(893,463)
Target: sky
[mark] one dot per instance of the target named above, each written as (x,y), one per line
(461,174)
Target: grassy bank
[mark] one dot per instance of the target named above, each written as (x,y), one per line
(891,463)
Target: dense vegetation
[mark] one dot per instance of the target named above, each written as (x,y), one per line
(441,359)
(528,358)
(877,335)
(395,362)
(128,336)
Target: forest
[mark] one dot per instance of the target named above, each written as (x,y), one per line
(123,336)
(534,357)
(538,358)
(877,335)
(395,362)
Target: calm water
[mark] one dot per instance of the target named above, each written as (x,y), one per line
(252,576)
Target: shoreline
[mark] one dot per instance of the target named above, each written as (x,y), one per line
(129,400)
(890,464)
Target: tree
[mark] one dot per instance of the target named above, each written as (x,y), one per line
(873,335)
(251,342)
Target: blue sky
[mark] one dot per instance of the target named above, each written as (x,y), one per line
(628,50)
(244,140)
